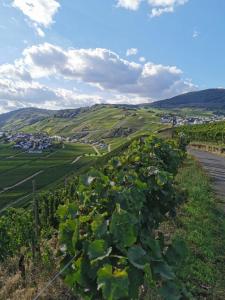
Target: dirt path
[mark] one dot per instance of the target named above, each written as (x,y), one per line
(21,182)
(215,167)
(76,160)
(96,150)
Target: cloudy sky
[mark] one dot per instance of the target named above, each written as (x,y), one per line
(66,54)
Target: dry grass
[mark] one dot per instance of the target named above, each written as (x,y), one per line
(14,287)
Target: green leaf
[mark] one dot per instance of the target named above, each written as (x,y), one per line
(170,291)
(114,285)
(137,257)
(62,211)
(79,276)
(65,211)
(164,270)
(98,248)
(75,237)
(176,252)
(136,279)
(123,228)
(99,226)
(149,276)
(156,252)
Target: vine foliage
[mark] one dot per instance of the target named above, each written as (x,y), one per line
(110,225)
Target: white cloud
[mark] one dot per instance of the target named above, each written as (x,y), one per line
(17,94)
(164,6)
(104,69)
(132,51)
(38,30)
(39,12)
(129,4)
(142,59)
(158,7)
(195,34)
(110,77)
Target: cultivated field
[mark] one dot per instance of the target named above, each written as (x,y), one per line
(18,169)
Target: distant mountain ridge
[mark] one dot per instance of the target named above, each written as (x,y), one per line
(24,116)
(206,99)
(211,99)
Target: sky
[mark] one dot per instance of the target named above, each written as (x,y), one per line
(65,54)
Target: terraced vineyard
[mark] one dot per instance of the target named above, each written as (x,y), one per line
(18,169)
(107,123)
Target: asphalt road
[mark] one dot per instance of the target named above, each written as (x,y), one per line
(215,167)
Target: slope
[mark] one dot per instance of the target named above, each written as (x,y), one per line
(213,99)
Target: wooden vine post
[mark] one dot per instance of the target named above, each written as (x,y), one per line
(36,247)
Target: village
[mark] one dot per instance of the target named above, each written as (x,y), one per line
(38,142)
(177,120)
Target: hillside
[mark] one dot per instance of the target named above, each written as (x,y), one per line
(93,124)
(102,120)
(23,117)
(212,99)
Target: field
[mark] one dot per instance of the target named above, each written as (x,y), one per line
(18,169)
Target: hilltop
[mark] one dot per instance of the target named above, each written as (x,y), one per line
(210,99)
(22,117)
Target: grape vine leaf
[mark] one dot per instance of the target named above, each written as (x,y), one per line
(114,285)
(137,257)
(96,249)
(123,228)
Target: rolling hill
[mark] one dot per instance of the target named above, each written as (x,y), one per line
(101,117)
(17,119)
(211,99)
(110,123)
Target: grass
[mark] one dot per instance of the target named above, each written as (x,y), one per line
(202,225)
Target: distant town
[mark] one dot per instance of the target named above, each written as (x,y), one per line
(193,120)
(38,142)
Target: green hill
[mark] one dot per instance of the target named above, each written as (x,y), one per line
(212,99)
(15,120)
(99,122)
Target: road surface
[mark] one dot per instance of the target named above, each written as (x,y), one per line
(215,167)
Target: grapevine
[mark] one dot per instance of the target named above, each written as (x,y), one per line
(110,225)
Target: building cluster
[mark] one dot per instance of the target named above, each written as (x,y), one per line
(33,143)
(85,140)
(100,145)
(194,120)
(36,143)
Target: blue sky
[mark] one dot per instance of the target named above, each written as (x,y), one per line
(65,54)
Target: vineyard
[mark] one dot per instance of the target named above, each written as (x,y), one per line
(18,169)
(108,222)
(213,132)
